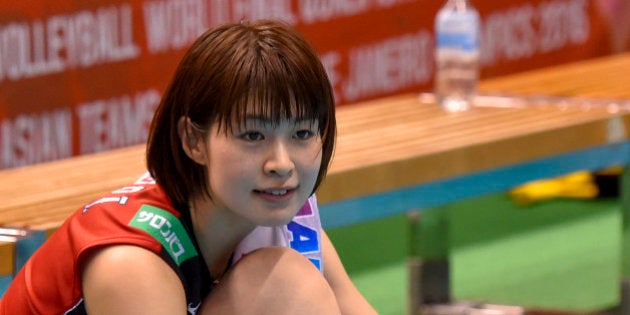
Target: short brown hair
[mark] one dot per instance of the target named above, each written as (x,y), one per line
(264,63)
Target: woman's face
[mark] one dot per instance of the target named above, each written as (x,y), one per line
(261,171)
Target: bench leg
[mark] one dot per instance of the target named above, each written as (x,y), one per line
(428,279)
(624,304)
(624,195)
(414,292)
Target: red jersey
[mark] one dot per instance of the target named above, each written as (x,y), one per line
(141,215)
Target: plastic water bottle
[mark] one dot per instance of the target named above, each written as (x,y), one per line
(457,36)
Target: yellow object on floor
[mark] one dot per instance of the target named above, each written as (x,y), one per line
(575,185)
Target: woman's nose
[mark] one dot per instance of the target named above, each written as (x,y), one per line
(279,162)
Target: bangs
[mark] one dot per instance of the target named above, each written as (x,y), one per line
(274,87)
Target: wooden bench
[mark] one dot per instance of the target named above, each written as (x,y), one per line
(390,152)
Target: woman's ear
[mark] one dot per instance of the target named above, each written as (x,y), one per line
(192,142)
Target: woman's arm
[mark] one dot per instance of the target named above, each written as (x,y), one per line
(126,279)
(349,298)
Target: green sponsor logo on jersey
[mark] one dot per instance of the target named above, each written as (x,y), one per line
(166,229)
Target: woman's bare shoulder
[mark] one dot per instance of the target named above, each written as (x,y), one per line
(128,279)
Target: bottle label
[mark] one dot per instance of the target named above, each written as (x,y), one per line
(467,42)
(457,31)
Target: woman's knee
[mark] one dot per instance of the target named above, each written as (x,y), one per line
(274,280)
(280,273)
(281,262)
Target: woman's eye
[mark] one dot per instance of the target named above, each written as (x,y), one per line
(252,136)
(304,134)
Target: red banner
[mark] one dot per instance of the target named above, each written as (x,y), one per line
(79,77)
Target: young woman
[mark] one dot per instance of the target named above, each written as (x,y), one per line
(227,221)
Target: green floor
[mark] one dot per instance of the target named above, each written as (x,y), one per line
(374,255)
(563,254)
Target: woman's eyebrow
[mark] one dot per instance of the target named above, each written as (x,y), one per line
(257,118)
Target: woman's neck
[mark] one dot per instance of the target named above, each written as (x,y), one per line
(218,231)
